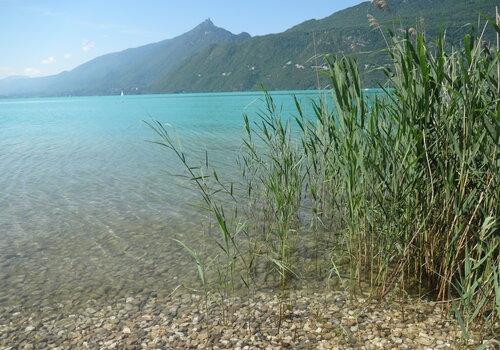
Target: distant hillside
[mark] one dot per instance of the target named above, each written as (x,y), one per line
(209,58)
(131,70)
(283,61)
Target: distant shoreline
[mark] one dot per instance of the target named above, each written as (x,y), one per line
(177,94)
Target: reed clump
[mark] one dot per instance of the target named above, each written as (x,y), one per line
(416,173)
(397,190)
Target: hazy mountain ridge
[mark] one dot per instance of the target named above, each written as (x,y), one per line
(209,58)
(131,70)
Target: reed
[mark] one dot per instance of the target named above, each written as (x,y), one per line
(401,187)
(273,170)
(415,172)
(381,4)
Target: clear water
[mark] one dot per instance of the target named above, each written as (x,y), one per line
(88,208)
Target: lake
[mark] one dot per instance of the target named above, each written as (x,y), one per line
(89,207)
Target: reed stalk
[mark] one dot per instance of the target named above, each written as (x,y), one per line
(402,185)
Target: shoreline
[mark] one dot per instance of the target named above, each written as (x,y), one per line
(328,320)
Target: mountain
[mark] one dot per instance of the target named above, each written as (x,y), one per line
(286,60)
(209,58)
(131,70)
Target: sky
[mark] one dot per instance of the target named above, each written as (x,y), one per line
(46,37)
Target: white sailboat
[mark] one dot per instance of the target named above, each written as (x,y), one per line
(122,94)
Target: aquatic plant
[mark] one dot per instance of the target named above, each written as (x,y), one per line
(400,188)
(415,173)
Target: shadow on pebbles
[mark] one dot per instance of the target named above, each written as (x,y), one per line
(329,320)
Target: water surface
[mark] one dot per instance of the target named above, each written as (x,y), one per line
(88,208)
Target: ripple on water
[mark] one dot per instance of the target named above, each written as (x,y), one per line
(88,209)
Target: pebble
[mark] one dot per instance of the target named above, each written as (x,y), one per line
(332,320)
(29,329)
(424,341)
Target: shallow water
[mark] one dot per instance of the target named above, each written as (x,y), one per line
(88,208)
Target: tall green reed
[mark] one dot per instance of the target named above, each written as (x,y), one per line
(272,165)
(215,194)
(402,185)
(416,172)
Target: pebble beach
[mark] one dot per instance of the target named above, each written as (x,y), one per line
(301,320)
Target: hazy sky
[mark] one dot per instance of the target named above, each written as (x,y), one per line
(48,36)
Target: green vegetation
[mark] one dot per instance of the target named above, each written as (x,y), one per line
(396,192)
(289,60)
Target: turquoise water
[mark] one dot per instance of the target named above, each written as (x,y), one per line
(88,207)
